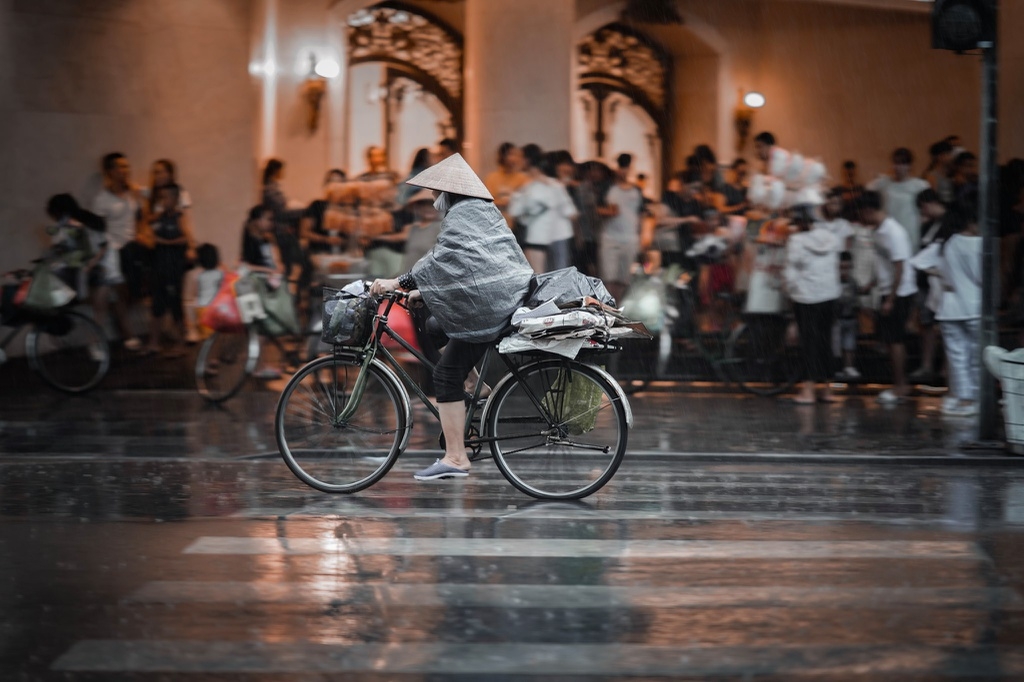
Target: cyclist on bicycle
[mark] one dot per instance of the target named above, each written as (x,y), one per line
(471,281)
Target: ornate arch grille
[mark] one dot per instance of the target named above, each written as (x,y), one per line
(615,58)
(413,43)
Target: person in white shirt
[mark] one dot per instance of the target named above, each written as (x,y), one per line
(959,313)
(620,234)
(833,220)
(544,206)
(896,282)
(900,192)
(119,204)
(812,280)
(929,297)
(844,330)
(201,286)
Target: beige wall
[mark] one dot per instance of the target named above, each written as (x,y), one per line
(150,78)
(841,81)
(1011,81)
(845,82)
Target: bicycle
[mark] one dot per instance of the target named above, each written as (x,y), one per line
(679,331)
(748,349)
(760,358)
(66,348)
(226,360)
(556,428)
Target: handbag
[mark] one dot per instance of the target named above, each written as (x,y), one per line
(281,317)
(222,314)
(47,291)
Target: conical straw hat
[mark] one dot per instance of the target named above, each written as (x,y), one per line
(452,175)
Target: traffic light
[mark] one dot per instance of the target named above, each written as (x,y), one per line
(962,25)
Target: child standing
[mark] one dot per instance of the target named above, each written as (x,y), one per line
(201,286)
(959,314)
(847,317)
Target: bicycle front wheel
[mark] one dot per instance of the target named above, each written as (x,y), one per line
(331,451)
(559,429)
(224,362)
(759,359)
(69,351)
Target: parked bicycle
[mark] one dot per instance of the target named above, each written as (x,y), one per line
(228,359)
(66,348)
(556,428)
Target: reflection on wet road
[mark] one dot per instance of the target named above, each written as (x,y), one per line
(161,569)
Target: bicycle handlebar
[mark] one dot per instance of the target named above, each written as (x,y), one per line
(397,295)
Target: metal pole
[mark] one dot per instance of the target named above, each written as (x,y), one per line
(988,221)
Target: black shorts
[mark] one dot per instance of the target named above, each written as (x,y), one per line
(892,328)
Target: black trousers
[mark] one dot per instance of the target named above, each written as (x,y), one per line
(457,360)
(168,274)
(814,321)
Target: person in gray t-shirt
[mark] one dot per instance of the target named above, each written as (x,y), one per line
(620,240)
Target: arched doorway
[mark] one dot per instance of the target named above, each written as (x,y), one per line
(405,87)
(622,101)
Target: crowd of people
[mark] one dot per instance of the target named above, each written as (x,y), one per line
(903,246)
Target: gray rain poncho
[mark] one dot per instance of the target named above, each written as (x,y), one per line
(476,276)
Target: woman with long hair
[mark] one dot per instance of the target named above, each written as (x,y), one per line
(423,160)
(170,232)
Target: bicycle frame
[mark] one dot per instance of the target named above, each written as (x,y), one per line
(374,347)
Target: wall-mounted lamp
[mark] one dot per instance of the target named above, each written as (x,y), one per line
(315,86)
(744,116)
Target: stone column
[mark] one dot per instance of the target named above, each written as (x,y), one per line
(518,75)
(7,121)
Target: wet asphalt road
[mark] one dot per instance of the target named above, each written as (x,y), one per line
(144,536)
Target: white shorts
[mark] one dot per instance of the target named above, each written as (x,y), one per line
(111,265)
(616,260)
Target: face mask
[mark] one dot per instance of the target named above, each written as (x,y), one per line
(442,204)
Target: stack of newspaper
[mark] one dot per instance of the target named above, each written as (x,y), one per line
(578,325)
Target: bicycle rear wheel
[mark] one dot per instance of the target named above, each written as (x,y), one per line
(759,359)
(559,430)
(224,362)
(332,454)
(69,351)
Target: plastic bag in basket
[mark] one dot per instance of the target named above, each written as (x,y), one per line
(576,400)
(348,315)
(46,291)
(222,314)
